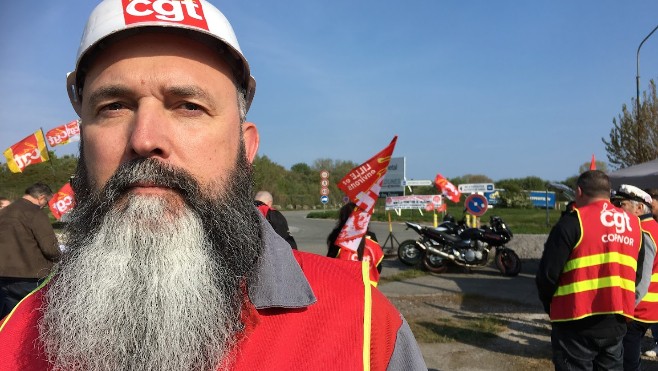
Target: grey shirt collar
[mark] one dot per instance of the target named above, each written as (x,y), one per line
(280,281)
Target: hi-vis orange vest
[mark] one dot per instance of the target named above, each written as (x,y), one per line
(372,253)
(599,277)
(351,328)
(647,309)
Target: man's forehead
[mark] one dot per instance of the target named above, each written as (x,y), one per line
(150,46)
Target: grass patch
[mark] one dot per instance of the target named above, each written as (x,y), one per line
(475,330)
(404,275)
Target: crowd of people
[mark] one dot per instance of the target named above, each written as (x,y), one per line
(595,276)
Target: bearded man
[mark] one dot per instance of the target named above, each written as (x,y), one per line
(169,265)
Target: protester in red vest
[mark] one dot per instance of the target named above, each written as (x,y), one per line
(586,278)
(263,201)
(369,249)
(169,265)
(653,192)
(637,202)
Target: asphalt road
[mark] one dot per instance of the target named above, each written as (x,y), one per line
(311,234)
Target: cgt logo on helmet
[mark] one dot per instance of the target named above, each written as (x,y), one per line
(188,12)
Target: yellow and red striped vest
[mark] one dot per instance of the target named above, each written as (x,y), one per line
(647,309)
(599,276)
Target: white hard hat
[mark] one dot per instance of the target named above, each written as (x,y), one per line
(630,192)
(196,18)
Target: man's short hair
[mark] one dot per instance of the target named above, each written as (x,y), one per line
(594,183)
(39,189)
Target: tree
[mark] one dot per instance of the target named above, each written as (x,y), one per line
(600,165)
(470,178)
(634,140)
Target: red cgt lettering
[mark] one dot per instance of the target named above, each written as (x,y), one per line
(187,12)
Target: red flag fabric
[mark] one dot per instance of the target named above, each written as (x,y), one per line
(361,178)
(63,201)
(448,189)
(357,224)
(31,150)
(592,165)
(63,134)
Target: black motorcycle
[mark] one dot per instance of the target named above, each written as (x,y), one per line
(454,243)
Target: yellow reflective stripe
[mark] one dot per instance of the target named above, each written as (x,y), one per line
(580,224)
(654,277)
(26,296)
(598,259)
(597,283)
(367,314)
(650,297)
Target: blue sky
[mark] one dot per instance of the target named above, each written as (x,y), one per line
(501,88)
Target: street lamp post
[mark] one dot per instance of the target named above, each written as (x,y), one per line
(637,90)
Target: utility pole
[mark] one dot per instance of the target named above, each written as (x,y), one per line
(637,93)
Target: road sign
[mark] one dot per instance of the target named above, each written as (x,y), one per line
(324,182)
(476,187)
(324,199)
(476,204)
(409,183)
(324,191)
(324,174)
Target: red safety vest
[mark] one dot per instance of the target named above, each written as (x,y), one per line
(599,277)
(647,309)
(351,326)
(372,253)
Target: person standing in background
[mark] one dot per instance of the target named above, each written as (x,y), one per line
(369,249)
(636,202)
(263,201)
(28,247)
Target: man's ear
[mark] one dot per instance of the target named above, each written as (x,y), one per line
(251,140)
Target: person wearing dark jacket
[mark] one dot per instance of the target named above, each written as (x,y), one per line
(28,247)
(263,202)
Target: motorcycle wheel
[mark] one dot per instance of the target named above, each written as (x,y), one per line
(508,262)
(409,253)
(435,263)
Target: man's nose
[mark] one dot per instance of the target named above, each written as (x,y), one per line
(150,135)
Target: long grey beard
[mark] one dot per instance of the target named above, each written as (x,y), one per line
(153,287)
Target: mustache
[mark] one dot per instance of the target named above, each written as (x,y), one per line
(153,173)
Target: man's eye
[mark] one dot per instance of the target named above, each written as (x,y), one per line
(190,106)
(113,107)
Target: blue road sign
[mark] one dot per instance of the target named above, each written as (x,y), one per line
(324,199)
(476,204)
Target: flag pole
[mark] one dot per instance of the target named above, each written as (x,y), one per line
(51,160)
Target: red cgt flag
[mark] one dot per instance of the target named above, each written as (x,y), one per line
(64,134)
(360,179)
(356,226)
(448,189)
(63,201)
(31,150)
